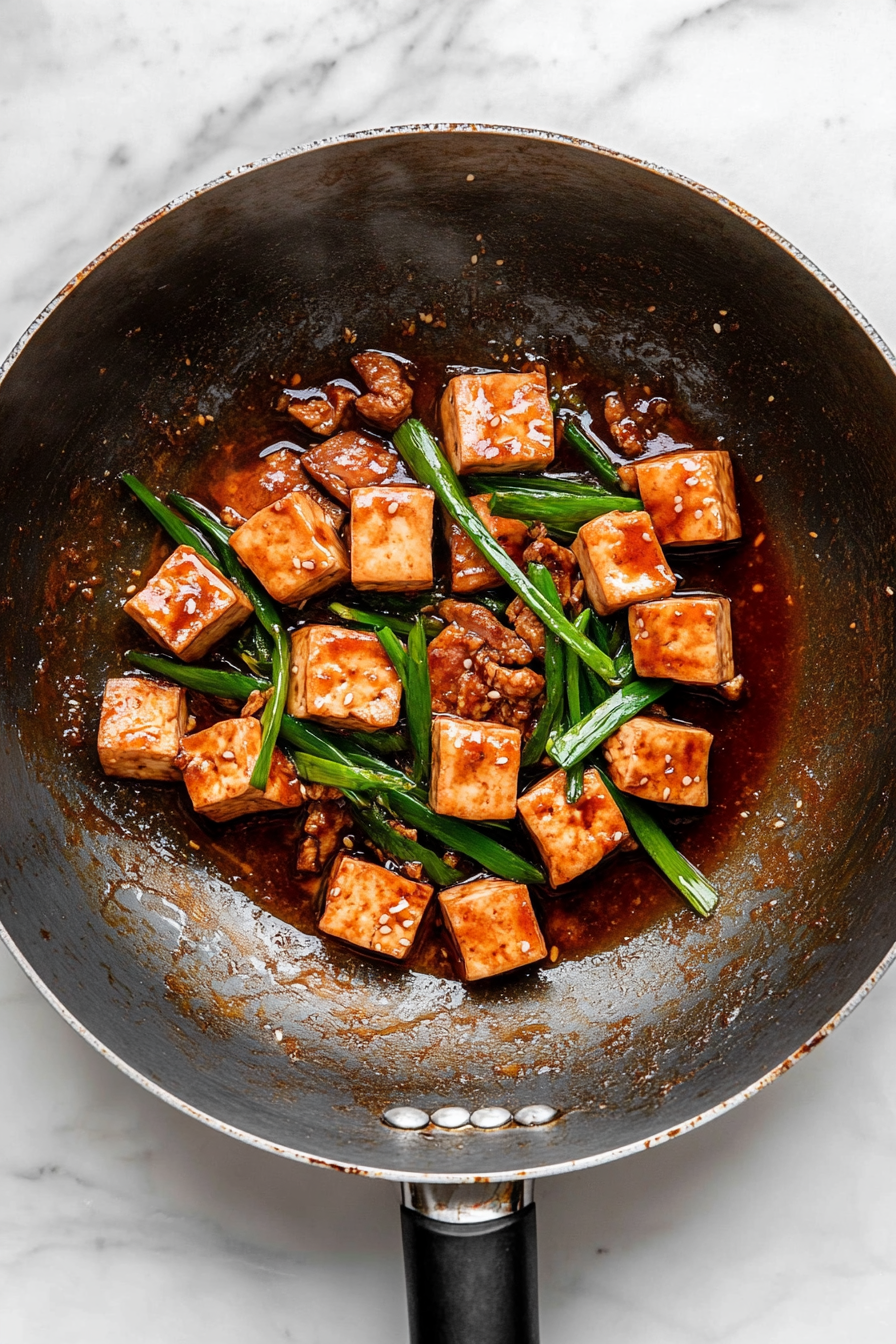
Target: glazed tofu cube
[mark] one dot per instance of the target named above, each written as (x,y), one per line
(373,908)
(494,422)
(492,926)
(683,638)
(351,460)
(243,490)
(690,497)
(621,561)
(292,548)
(392,538)
(141,725)
(217,764)
(343,678)
(187,606)
(663,761)
(572,837)
(474,769)
(470,571)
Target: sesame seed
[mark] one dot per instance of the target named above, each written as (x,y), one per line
(294,667)
(686,781)
(692,480)
(670,770)
(524,947)
(644,634)
(501,760)
(678,508)
(888,590)
(404,942)
(334,891)
(193,844)
(278,1035)
(668,760)
(758,587)
(227,756)
(384,919)
(494,695)
(758,478)
(474,259)
(348,842)
(296,562)
(645,536)
(617,836)
(500,262)
(555,952)
(190,606)
(468,663)
(348,699)
(402,905)
(771,398)
(744,814)
(696,779)
(717,328)
(393,507)
(377,947)
(677,499)
(723,312)
(776,825)
(666,792)
(131,588)
(698,513)
(640,623)
(309,564)
(406,923)
(471,177)
(643,780)
(799,804)
(385,928)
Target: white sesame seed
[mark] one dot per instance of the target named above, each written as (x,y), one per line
(696,779)
(294,667)
(384,919)
(190,606)
(645,634)
(348,842)
(643,779)
(131,588)
(393,507)
(617,836)
(471,177)
(278,1035)
(474,259)
(888,590)
(377,947)
(468,663)
(698,513)
(670,770)
(666,792)
(708,499)
(296,562)
(385,928)
(799,804)
(744,814)
(677,499)
(227,755)
(686,780)
(334,891)
(640,623)
(402,905)
(405,942)
(348,699)
(309,564)
(678,508)
(494,695)
(645,536)
(771,398)
(407,923)
(691,480)
(668,760)
(716,326)
(501,760)
(524,947)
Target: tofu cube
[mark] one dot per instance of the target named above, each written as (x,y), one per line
(494,422)
(292,548)
(470,571)
(660,760)
(391,538)
(187,606)
(217,764)
(474,769)
(621,561)
(690,498)
(141,725)
(373,908)
(683,638)
(492,926)
(572,837)
(342,677)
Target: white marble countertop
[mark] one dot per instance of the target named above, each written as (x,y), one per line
(121,1218)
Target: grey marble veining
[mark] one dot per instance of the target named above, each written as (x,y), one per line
(119,1217)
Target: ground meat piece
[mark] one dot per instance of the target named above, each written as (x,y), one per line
(449,677)
(351,460)
(561,563)
(631,428)
(735,689)
(527,625)
(256,702)
(324,825)
(389,398)
(513,683)
(323,412)
(472,678)
(506,646)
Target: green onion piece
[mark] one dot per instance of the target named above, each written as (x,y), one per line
(380,740)
(597,460)
(540,577)
(372,620)
(429,465)
(465,839)
(207,680)
(574,745)
(567,512)
(175,527)
(625,664)
(339,776)
(552,484)
(373,820)
(396,651)
(575,776)
(272,714)
(419,701)
(687,879)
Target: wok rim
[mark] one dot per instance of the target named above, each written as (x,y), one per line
(400,1174)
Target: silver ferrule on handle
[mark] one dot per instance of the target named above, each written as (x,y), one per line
(475,1202)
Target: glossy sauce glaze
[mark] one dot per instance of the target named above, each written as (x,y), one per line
(626,894)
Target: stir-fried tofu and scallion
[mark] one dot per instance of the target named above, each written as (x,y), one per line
(434,640)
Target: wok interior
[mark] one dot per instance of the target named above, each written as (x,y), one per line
(154,948)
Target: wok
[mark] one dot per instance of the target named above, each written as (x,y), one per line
(153,951)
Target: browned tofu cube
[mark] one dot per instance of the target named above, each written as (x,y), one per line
(373,908)
(470,571)
(141,725)
(621,561)
(494,422)
(572,837)
(343,678)
(690,497)
(351,460)
(474,769)
(492,926)
(217,764)
(292,548)
(392,538)
(683,638)
(661,760)
(187,606)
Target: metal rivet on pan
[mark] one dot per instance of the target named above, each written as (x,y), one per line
(537,1114)
(450,1117)
(490,1117)
(406,1117)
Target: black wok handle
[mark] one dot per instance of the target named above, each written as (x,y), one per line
(471,1283)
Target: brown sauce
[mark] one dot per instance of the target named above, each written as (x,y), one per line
(626,894)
